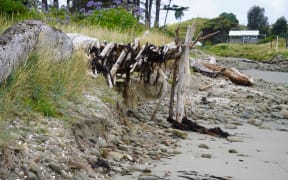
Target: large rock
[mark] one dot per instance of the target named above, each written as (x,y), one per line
(82,42)
(18,41)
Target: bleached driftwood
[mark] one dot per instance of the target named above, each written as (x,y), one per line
(184,75)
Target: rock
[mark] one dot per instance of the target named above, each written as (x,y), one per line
(123,147)
(230,126)
(203,146)
(4,173)
(232,151)
(56,167)
(82,42)
(102,142)
(128,157)
(234,139)
(65,175)
(31,176)
(148,177)
(17,42)
(208,156)
(115,156)
(34,167)
(179,133)
(284,113)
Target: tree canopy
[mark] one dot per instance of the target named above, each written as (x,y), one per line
(230,16)
(280,27)
(257,20)
(222,24)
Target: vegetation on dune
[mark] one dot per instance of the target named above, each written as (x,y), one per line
(41,86)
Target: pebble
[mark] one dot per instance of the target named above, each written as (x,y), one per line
(148,177)
(232,151)
(115,156)
(31,176)
(208,156)
(56,167)
(34,167)
(230,126)
(203,146)
(234,139)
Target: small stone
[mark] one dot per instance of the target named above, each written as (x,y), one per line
(230,126)
(31,176)
(128,157)
(203,146)
(284,113)
(206,156)
(34,167)
(146,170)
(234,139)
(115,156)
(4,173)
(102,142)
(232,151)
(56,167)
(148,177)
(65,175)
(123,147)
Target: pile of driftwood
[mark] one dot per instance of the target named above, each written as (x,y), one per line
(124,61)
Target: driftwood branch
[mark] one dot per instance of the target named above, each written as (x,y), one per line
(184,75)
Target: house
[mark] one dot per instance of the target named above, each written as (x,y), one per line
(244,36)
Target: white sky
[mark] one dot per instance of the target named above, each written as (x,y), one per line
(213,8)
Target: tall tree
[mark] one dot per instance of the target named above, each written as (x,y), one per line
(280,27)
(257,20)
(157,14)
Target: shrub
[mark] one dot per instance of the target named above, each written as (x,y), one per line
(12,6)
(116,18)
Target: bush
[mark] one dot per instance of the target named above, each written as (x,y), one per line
(116,18)
(12,6)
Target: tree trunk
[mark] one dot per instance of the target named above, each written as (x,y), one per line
(157,14)
(147,17)
(44,6)
(56,4)
(184,75)
(17,42)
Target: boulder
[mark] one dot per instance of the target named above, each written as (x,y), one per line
(18,41)
(82,42)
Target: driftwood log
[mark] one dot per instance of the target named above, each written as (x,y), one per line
(17,42)
(213,70)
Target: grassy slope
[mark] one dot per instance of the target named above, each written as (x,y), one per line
(183,26)
(259,52)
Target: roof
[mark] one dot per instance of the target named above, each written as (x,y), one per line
(244,33)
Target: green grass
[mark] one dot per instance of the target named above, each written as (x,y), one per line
(184,25)
(260,52)
(41,86)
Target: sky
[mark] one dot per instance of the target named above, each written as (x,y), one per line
(274,9)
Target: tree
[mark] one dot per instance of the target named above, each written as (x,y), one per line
(222,24)
(257,20)
(280,27)
(157,14)
(230,16)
